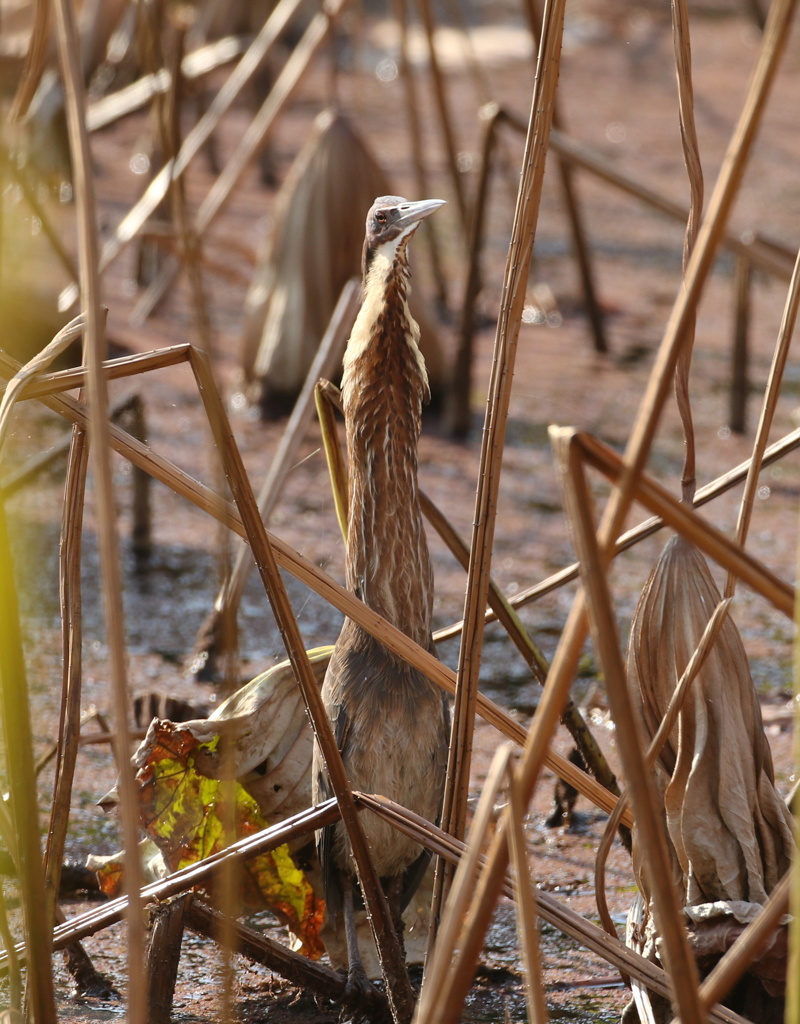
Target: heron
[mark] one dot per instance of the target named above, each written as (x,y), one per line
(390,722)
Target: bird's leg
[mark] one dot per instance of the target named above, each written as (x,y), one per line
(359,986)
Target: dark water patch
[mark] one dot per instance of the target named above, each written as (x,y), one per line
(165,603)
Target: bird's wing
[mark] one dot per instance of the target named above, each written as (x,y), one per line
(331,880)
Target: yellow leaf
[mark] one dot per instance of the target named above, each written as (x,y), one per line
(191,816)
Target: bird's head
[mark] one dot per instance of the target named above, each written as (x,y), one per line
(391,221)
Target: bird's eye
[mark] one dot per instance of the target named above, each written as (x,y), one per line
(380,217)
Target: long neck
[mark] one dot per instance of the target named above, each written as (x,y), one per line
(383,388)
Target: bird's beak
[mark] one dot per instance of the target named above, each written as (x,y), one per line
(413,213)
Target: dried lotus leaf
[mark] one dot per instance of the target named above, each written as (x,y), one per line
(729,829)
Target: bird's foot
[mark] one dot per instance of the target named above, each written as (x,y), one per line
(362,1000)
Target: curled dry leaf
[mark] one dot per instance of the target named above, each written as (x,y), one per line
(265,742)
(109,868)
(206,783)
(730,830)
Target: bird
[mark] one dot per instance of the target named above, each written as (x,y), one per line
(390,722)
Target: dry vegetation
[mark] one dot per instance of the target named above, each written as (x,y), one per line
(106,586)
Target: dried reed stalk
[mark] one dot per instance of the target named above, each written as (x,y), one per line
(513,299)
(774,258)
(682,51)
(210,502)
(770,256)
(14,972)
(325,361)
(201,873)
(493,438)
(71,643)
(140,213)
(94,353)
(694,169)
(72,523)
(536,661)
(430,233)
(728,837)
(401,996)
(34,61)
(191,247)
(201,496)
(445,117)
(440,961)
(550,909)
(741,832)
(22,839)
(747,946)
(65,337)
(254,138)
(458,409)
(700,262)
(328,397)
(167,109)
(105,111)
(524,894)
(702,534)
(580,242)
(656,868)
(720,485)
(771,395)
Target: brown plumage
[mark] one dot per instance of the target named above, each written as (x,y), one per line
(390,722)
